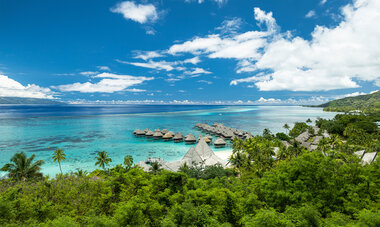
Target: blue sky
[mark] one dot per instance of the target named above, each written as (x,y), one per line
(189,51)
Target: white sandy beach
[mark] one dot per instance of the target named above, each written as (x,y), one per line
(224,155)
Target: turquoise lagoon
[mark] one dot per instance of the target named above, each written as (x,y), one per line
(82,131)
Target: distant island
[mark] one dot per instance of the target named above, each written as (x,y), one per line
(17,100)
(368,104)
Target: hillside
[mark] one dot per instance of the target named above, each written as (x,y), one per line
(366,103)
(16,100)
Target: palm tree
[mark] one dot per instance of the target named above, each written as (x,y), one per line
(286,127)
(155,167)
(103,160)
(80,173)
(308,121)
(128,161)
(23,167)
(59,155)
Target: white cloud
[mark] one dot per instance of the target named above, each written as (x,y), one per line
(331,60)
(64,74)
(104,68)
(197,72)
(159,65)
(136,90)
(323,2)
(238,46)
(195,60)
(270,100)
(205,81)
(88,73)
(137,12)
(12,88)
(220,2)
(230,25)
(146,55)
(311,14)
(108,84)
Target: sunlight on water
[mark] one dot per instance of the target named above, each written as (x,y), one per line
(83,136)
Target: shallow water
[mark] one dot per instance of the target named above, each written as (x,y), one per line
(82,131)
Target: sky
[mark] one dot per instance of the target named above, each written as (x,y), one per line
(189,51)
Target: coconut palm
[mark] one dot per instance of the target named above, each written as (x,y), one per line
(237,159)
(128,161)
(286,127)
(23,168)
(80,173)
(103,160)
(59,155)
(155,168)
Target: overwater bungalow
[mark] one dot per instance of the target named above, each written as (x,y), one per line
(190,139)
(149,133)
(157,135)
(178,137)
(168,136)
(220,142)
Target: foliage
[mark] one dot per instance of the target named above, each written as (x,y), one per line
(264,186)
(59,156)
(299,128)
(369,104)
(282,136)
(103,160)
(23,168)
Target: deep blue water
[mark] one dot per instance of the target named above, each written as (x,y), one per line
(83,130)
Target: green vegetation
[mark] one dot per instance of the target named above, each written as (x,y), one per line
(369,104)
(264,186)
(59,156)
(23,168)
(103,160)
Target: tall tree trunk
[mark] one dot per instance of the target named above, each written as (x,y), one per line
(60,167)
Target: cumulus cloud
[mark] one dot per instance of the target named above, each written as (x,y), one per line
(331,60)
(12,88)
(137,12)
(239,46)
(194,60)
(109,83)
(311,14)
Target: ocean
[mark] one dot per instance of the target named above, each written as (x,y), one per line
(83,130)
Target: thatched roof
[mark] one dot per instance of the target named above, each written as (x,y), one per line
(219,142)
(190,138)
(167,136)
(316,140)
(303,137)
(140,132)
(149,133)
(178,136)
(157,134)
(157,130)
(164,131)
